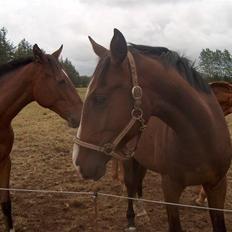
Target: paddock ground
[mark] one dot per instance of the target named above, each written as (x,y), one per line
(41,159)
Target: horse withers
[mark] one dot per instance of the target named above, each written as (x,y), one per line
(42,79)
(132,84)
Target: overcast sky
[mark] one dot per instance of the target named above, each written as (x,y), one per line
(186,26)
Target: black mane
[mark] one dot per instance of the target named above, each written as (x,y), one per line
(14,64)
(182,64)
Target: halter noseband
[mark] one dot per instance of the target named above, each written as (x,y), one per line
(136,115)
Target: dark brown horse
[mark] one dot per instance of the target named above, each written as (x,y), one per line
(41,79)
(189,147)
(134,173)
(223,93)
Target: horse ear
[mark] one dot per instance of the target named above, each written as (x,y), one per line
(118,47)
(57,53)
(99,50)
(38,53)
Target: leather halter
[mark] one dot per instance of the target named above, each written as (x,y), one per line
(136,115)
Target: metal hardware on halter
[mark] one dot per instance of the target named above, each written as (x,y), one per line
(136,116)
(108,148)
(137,92)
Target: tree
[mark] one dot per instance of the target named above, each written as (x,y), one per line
(84,81)
(23,49)
(6,47)
(71,71)
(216,65)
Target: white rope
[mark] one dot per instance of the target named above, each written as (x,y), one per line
(166,203)
(46,191)
(94,194)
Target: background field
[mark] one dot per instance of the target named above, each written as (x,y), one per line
(41,159)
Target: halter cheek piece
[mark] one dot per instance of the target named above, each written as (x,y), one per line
(136,115)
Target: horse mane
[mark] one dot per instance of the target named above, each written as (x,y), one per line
(14,64)
(182,64)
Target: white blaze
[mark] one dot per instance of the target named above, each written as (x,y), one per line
(66,75)
(76,148)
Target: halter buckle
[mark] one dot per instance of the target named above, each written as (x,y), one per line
(137,92)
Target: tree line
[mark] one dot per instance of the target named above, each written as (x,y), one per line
(213,65)
(8,52)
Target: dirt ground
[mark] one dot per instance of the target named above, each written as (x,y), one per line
(41,159)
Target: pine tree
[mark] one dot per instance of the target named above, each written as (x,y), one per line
(23,49)
(71,71)
(6,47)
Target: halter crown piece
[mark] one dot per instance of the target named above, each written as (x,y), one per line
(136,115)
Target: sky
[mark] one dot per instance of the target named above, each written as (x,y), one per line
(186,26)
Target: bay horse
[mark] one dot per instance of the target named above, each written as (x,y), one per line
(134,174)
(129,86)
(42,79)
(223,93)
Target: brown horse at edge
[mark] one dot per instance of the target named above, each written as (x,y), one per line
(42,79)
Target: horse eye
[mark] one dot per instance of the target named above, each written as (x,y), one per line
(99,100)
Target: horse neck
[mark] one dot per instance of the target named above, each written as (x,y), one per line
(17,89)
(176,103)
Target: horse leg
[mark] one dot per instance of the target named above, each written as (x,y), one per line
(141,172)
(131,187)
(216,199)
(4,194)
(172,192)
(201,199)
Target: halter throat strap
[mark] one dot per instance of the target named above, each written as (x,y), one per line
(136,115)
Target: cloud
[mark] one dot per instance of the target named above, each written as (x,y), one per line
(185,26)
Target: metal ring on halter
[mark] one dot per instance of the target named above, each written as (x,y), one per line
(108,148)
(137,113)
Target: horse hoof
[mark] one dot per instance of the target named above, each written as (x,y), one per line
(131,229)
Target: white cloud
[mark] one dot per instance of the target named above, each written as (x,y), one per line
(185,26)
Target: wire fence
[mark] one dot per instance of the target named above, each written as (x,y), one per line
(95,195)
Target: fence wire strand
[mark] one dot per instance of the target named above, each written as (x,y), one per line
(93,194)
